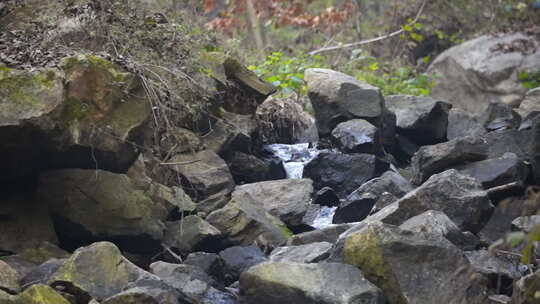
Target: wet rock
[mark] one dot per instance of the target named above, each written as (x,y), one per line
(91,205)
(499,270)
(192,233)
(530,103)
(422,119)
(433,159)
(390,182)
(282,120)
(207,174)
(293,157)
(525,223)
(287,199)
(239,259)
(343,172)
(437,222)
(498,171)
(96,271)
(328,234)
(308,253)
(242,221)
(415,271)
(459,196)
(288,282)
(17,234)
(9,278)
(357,136)
(43,273)
(326,197)
(191,282)
(337,97)
(500,116)
(354,209)
(462,124)
(526,289)
(246,168)
(479,70)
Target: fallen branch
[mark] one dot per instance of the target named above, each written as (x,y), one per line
(182,163)
(367,41)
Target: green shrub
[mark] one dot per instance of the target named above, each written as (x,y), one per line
(530,79)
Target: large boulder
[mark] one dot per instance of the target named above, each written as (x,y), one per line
(484,69)
(206,175)
(343,172)
(422,119)
(97,271)
(497,171)
(437,158)
(324,283)
(190,234)
(287,199)
(91,205)
(242,221)
(357,136)
(86,115)
(412,267)
(337,97)
(283,121)
(459,196)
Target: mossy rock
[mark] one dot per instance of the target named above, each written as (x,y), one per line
(25,95)
(40,294)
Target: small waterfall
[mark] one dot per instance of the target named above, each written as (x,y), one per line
(295,157)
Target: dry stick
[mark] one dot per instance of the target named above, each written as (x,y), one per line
(348,45)
(181,163)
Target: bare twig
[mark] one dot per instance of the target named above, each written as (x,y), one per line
(181,163)
(367,41)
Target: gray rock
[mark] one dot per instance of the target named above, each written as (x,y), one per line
(206,173)
(530,103)
(239,259)
(526,289)
(498,171)
(246,168)
(525,223)
(479,70)
(411,267)
(493,266)
(500,222)
(287,199)
(459,196)
(326,197)
(337,97)
(309,253)
(354,209)
(500,116)
(90,204)
(390,182)
(328,234)
(324,283)
(192,233)
(242,221)
(42,274)
(210,263)
(9,278)
(437,158)
(98,271)
(357,136)
(437,222)
(422,119)
(191,282)
(462,124)
(230,132)
(343,172)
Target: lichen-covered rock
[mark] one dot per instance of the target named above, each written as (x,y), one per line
(85,115)
(422,119)
(412,267)
(287,199)
(9,278)
(324,283)
(242,221)
(481,70)
(337,97)
(94,204)
(96,271)
(40,294)
(191,233)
